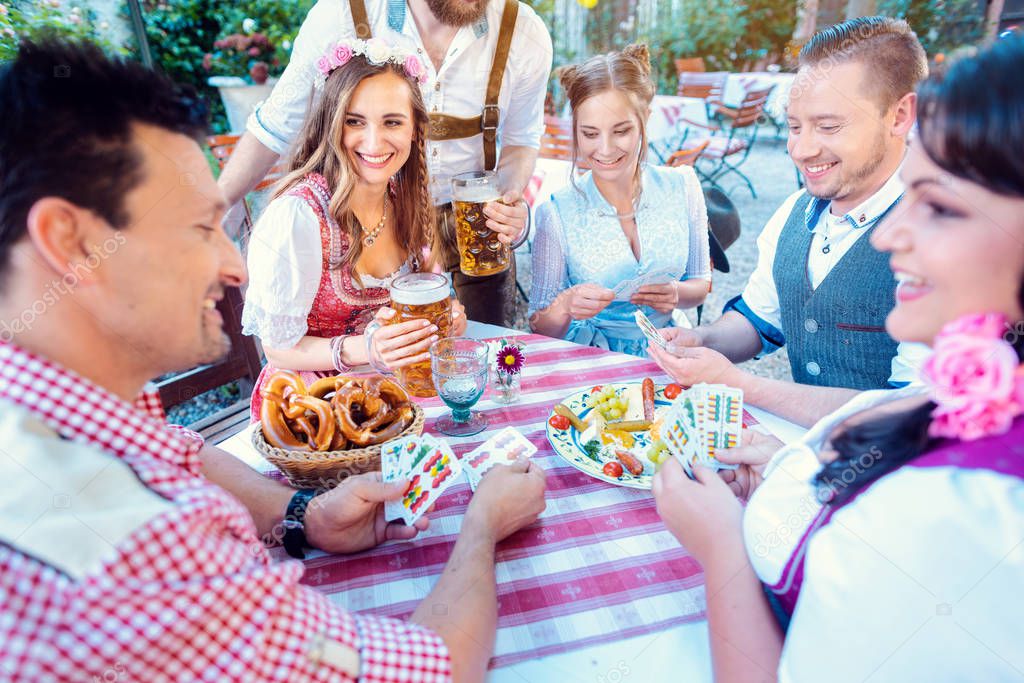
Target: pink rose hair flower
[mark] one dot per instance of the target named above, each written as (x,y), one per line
(414,69)
(976,379)
(341,55)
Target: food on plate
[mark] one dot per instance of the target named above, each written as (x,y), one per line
(334,413)
(672,390)
(615,426)
(564,411)
(629,461)
(559,422)
(647,394)
(608,403)
(629,425)
(612,469)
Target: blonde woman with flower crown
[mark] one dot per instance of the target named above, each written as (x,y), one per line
(888,543)
(353,213)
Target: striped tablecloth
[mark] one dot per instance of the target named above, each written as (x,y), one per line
(598,566)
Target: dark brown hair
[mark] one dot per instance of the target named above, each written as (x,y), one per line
(889,48)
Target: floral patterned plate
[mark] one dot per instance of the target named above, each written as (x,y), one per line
(568,444)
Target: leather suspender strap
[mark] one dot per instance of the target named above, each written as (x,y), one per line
(359,19)
(445,127)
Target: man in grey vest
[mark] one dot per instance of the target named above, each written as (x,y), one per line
(819,287)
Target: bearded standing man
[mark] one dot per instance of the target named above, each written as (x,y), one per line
(472,127)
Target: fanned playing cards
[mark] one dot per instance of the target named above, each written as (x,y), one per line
(432,467)
(703,420)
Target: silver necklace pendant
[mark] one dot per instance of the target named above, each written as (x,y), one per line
(368,241)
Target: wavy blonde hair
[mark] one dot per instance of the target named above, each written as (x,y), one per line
(320,149)
(627,72)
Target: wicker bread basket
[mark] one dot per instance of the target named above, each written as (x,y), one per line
(326,469)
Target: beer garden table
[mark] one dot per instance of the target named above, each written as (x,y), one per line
(597,589)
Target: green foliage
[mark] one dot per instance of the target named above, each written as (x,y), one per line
(712,29)
(181,33)
(942,26)
(20,19)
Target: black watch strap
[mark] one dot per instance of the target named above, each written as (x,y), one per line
(294,523)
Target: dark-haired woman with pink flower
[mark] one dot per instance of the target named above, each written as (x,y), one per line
(888,543)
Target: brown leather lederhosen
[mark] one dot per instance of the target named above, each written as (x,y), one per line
(489,299)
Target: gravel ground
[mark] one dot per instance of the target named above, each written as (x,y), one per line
(771,171)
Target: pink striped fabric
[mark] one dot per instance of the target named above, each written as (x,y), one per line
(599,566)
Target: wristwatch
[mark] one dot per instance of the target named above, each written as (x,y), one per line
(294,523)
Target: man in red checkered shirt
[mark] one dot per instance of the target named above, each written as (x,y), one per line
(120,556)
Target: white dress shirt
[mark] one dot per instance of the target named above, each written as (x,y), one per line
(840,233)
(456,89)
(918,579)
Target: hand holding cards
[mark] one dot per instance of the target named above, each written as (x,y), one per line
(432,468)
(701,421)
(504,447)
(649,330)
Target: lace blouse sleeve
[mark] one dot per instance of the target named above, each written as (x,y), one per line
(550,272)
(284,264)
(698,265)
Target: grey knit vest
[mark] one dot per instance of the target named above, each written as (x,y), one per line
(835,334)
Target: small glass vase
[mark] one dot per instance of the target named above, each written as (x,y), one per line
(507,387)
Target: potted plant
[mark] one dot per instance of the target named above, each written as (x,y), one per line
(245,67)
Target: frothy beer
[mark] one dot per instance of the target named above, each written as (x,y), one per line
(480,252)
(421,296)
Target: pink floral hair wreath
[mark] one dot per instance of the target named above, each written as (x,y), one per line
(376,52)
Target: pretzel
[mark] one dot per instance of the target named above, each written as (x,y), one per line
(359,412)
(379,422)
(283,416)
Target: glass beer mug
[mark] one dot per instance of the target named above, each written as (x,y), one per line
(421,295)
(480,252)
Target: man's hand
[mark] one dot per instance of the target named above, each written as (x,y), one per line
(508,216)
(663,298)
(752,456)
(693,365)
(509,497)
(681,336)
(587,300)
(350,517)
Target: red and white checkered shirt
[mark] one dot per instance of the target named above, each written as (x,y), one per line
(119,561)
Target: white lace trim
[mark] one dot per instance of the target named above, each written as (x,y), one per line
(276,330)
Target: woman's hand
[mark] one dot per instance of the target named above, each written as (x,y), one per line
(587,300)
(459,321)
(703,515)
(401,344)
(662,298)
(752,456)
(507,216)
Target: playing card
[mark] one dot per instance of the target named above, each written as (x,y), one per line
(393,458)
(434,469)
(501,449)
(679,433)
(723,421)
(649,330)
